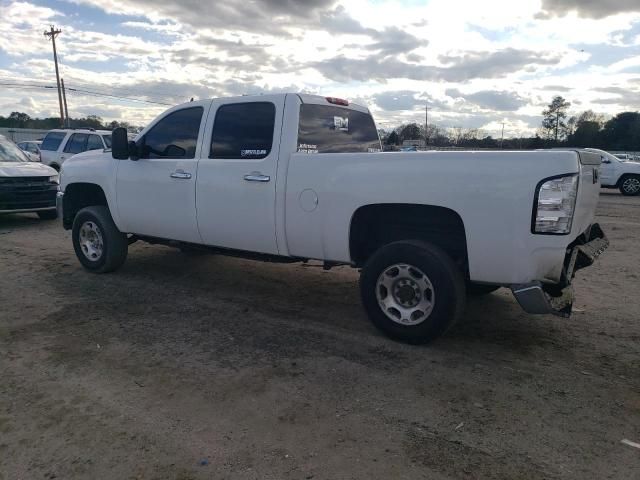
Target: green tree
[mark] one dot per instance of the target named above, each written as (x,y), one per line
(393,138)
(554,118)
(587,134)
(622,132)
(19,119)
(411,132)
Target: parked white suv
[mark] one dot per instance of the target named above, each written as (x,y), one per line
(619,173)
(60,144)
(291,177)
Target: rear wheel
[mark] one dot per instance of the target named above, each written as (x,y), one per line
(48,215)
(412,291)
(98,243)
(630,185)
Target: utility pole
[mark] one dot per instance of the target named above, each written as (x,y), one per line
(426,125)
(64,99)
(502,136)
(52,34)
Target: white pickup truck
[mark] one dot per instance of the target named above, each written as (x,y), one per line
(292,177)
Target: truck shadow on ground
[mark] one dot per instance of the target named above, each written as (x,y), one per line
(290,305)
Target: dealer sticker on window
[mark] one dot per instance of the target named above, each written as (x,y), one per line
(341,123)
(253,153)
(307,148)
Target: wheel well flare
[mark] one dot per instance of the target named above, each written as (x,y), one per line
(373,226)
(78,196)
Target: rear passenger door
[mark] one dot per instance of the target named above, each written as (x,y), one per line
(236,187)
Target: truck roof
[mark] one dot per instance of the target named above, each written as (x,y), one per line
(304,98)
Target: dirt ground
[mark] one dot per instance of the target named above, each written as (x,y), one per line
(182,367)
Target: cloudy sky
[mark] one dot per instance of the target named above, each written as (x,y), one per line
(476,64)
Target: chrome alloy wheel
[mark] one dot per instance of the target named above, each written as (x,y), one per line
(631,185)
(91,241)
(405,294)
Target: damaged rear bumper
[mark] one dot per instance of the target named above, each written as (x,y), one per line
(557,299)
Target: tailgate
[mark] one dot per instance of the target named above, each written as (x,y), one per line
(588,191)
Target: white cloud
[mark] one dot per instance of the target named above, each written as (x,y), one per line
(477,63)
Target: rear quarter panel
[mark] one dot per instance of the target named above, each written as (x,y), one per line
(492,192)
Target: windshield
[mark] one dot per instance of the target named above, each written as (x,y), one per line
(9,152)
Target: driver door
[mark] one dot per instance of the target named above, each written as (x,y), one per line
(156,194)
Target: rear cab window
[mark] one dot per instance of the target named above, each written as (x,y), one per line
(52,141)
(334,129)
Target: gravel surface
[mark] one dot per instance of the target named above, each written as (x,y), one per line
(193,367)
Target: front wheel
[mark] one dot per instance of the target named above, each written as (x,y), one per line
(412,291)
(98,243)
(630,185)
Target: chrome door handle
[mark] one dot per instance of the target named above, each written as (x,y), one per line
(257,177)
(181,174)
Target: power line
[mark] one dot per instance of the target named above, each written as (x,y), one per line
(99,94)
(84,92)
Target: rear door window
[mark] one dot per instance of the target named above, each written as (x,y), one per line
(332,129)
(77,143)
(243,131)
(94,143)
(52,141)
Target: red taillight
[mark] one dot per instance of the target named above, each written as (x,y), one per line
(337,101)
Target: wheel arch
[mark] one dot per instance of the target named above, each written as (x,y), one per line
(78,196)
(624,176)
(375,225)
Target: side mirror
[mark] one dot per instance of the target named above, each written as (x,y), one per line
(119,144)
(134,152)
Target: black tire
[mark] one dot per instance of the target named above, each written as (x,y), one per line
(479,289)
(630,185)
(114,243)
(446,279)
(48,215)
